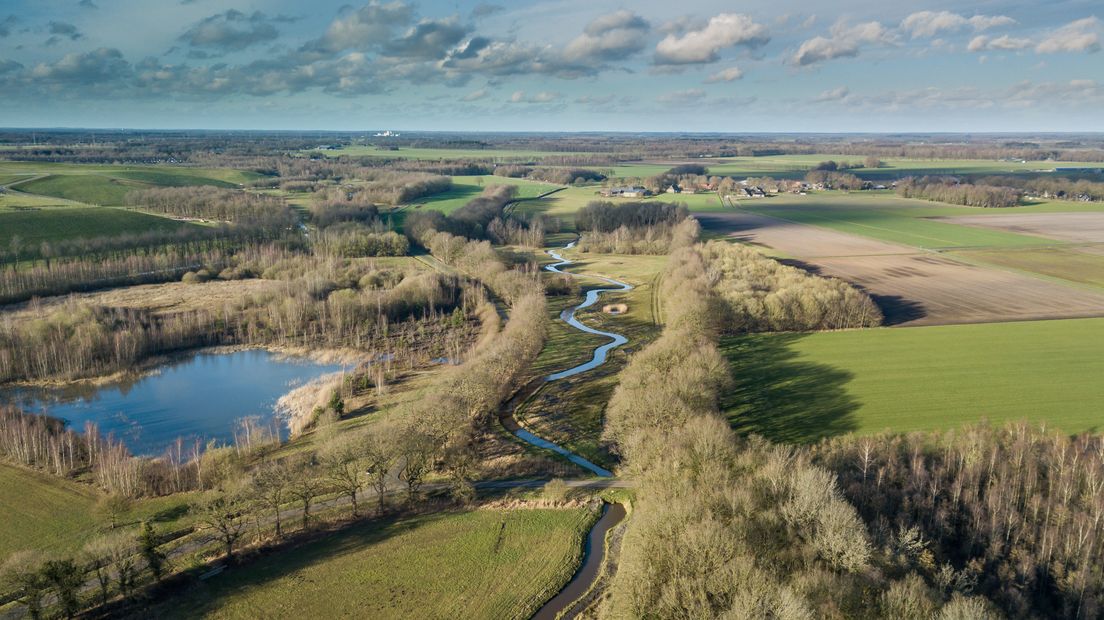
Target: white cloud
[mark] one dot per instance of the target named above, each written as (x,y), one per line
(835,94)
(726,75)
(703,45)
(609,37)
(682,96)
(1082,35)
(982,43)
(931,23)
(844,42)
(475,95)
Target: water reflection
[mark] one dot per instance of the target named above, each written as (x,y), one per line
(200,397)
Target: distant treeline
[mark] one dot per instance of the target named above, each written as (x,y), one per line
(953,191)
(604,216)
(212,203)
(561,176)
(1062,188)
(325,302)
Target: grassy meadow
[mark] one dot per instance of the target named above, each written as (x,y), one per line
(108,185)
(487,563)
(33,227)
(802,387)
(465,188)
(56,515)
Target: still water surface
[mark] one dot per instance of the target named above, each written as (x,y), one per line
(202,396)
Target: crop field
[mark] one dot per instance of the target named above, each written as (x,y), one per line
(795,166)
(486,563)
(57,223)
(923,270)
(1064,263)
(1083,227)
(802,387)
(888,218)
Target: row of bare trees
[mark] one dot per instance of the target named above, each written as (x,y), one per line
(954,191)
(213,203)
(729,527)
(1015,511)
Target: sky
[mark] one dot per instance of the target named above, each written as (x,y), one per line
(559,65)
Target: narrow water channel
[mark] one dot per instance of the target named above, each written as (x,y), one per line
(601,354)
(594,552)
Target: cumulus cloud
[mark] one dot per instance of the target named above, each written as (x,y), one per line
(232,30)
(429,39)
(365,27)
(704,45)
(730,74)
(844,42)
(1082,35)
(609,37)
(931,23)
(1002,43)
(103,65)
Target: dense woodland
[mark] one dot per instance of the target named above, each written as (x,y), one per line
(760,294)
(951,190)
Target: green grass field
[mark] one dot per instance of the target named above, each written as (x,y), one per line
(56,515)
(480,564)
(802,387)
(465,188)
(57,223)
(108,185)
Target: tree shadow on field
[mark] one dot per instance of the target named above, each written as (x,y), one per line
(783,399)
(897,309)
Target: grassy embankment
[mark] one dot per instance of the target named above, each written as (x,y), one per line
(486,563)
(801,387)
(570,411)
(55,515)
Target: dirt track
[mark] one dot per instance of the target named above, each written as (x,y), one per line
(1076,227)
(913,287)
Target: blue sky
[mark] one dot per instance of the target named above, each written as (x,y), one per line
(563,65)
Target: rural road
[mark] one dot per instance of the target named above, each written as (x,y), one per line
(601,353)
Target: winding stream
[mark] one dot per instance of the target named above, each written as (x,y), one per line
(594,551)
(601,353)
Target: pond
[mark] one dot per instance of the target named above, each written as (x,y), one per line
(199,397)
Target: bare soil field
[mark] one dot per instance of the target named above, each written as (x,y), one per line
(1075,227)
(168,297)
(913,287)
(793,238)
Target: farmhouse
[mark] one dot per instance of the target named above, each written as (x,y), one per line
(627,191)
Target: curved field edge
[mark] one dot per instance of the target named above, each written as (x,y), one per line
(487,563)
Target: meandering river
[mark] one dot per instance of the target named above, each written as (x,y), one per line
(601,354)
